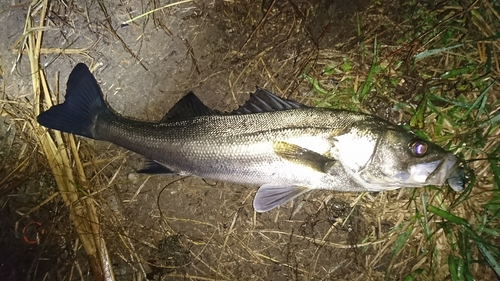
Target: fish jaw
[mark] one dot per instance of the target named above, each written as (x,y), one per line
(446,171)
(418,174)
(438,173)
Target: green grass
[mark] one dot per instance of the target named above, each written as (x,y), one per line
(446,63)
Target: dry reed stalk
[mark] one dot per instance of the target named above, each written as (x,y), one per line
(59,153)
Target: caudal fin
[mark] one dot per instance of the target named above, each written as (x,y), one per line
(82,102)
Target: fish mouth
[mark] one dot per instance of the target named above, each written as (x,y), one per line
(448,170)
(439,172)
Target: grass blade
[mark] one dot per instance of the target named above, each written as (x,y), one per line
(448,216)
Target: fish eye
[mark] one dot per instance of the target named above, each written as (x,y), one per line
(418,147)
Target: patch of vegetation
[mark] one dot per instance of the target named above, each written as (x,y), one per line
(439,81)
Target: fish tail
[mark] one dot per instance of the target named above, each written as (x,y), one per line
(83,102)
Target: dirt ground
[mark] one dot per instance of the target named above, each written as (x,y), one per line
(170,228)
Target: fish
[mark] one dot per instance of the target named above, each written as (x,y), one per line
(282,146)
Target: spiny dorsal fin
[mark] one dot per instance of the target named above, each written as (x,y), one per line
(189,106)
(265,101)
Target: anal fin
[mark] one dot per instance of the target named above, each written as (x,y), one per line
(270,196)
(153,167)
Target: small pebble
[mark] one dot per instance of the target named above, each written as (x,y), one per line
(132,176)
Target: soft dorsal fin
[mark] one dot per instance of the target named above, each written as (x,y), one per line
(265,101)
(188,106)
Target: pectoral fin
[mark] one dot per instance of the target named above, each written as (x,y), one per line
(269,197)
(304,156)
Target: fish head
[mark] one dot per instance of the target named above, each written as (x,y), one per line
(412,161)
(401,159)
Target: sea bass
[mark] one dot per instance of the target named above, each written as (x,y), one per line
(282,146)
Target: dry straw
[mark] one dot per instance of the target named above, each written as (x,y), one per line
(61,152)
